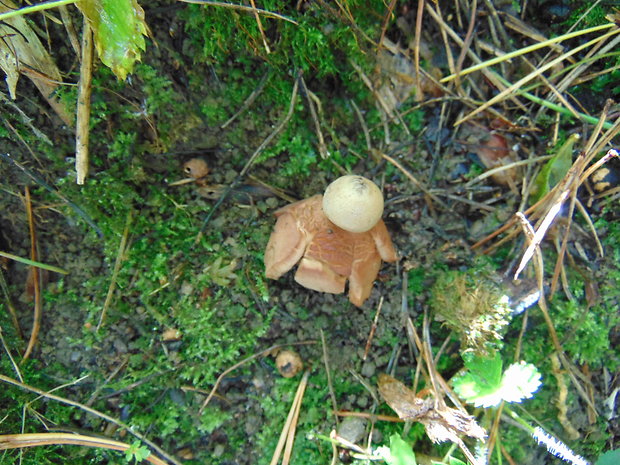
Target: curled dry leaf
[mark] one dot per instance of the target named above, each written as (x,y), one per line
(442,423)
(494,152)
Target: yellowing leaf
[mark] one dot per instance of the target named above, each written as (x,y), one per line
(119,29)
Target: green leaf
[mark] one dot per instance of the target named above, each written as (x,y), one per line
(119,29)
(611,457)
(483,377)
(485,386)
(455,461)
(137,452)
(554,170)
(399,453)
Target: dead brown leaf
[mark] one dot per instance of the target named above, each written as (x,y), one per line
(442,423)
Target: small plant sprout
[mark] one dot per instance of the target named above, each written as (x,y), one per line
(137,452)
(484,384)
(334,238)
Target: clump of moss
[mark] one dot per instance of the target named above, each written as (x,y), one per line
(473,305)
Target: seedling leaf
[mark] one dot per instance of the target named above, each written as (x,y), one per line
(484,385)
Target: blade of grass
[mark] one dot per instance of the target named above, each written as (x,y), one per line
(510,90)
(35,8)
(523,51)
(27,261)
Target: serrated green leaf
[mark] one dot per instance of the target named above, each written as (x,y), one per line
(119,29)
(520,381)
(484,385)
(554,170)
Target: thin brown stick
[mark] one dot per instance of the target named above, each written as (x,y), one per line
(370,416)
(252,159)
(315,119)
(15,441)
(249,101)
(417,183)
(416,49)
(373,328)
(244,8)
(243,362)
(384,24)
(8,353)
(82,128)
(360,117)
(36,276)
(260,26)
(467,42)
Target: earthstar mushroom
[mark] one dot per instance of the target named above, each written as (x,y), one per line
(334,237)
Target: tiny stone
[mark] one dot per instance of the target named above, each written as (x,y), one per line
(186,288)
(352,429)
(368,369)
(218,450)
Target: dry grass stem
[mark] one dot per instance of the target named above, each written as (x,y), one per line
(82,128)
(244,8)
(313,100)
(249,101)
(14,441)
(373,328)
(511,90)
(36,280)
(522,51)
(287,436)
(260,26)
(241,363)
